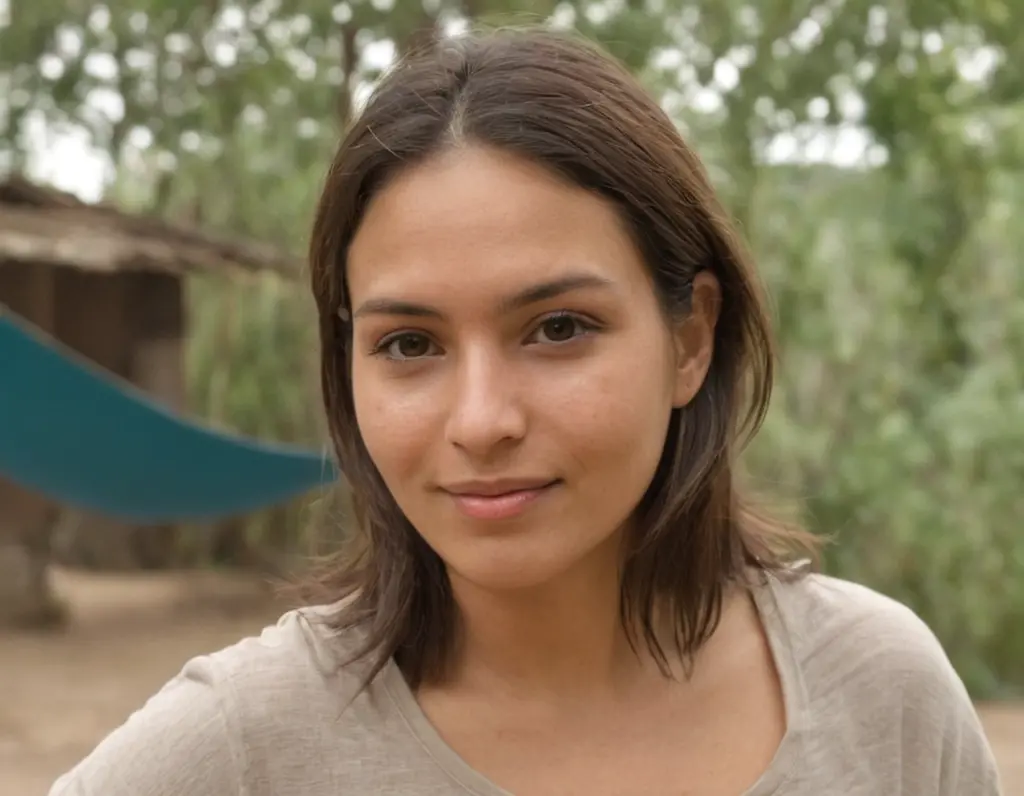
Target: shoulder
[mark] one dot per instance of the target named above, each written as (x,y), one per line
(842,620)
(872,669)
(205,730)
(301,649)
(297,673)
(845,632)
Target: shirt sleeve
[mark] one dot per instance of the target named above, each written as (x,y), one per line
(180,743)
(940,717)
(968,764)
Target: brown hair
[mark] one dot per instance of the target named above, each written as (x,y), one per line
(562,103)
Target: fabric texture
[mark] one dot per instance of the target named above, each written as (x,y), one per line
(96,452)
(873,708)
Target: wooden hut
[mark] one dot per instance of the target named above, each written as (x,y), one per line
(110,286)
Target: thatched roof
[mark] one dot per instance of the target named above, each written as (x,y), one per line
(43,225)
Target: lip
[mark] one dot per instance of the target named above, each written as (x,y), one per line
(496,488)
(498,500)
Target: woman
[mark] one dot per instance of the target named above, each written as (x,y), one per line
(542,345)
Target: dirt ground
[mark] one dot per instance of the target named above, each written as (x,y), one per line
(63,692)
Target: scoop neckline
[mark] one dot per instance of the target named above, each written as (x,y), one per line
(773,778)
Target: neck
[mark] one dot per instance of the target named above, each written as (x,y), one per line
(561,638)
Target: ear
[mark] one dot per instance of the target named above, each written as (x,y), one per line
(695,338)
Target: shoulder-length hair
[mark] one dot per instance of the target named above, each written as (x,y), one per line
(562,103)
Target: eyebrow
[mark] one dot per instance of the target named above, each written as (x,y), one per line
(531,295)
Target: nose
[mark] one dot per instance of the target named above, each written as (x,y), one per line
(485,413)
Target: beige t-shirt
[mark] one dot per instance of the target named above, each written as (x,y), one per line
(873,708)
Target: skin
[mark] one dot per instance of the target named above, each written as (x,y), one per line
(505,327)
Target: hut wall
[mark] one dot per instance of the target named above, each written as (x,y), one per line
(158,327)
(26,518)
(91,312)
(28,290)
(130,323)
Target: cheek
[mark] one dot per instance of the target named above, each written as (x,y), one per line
(392,424)
(615,413)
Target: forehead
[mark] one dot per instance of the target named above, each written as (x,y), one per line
(487,220)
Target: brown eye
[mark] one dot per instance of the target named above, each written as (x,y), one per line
(560,329)
(409,346)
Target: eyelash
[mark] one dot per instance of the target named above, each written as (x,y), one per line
(585,326)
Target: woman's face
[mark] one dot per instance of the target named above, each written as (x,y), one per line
(513,376)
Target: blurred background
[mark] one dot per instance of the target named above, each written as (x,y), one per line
(872,152)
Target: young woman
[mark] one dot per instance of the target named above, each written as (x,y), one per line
(542,347)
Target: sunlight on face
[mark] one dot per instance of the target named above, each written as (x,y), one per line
(513,376)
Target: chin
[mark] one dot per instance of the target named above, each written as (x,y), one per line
(499,578)
(511,564)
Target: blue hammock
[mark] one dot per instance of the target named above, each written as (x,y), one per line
(83,438)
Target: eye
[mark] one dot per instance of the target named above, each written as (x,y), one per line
(560,328)
(406,345)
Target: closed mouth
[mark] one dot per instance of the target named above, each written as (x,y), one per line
(496,489)
(498,501)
